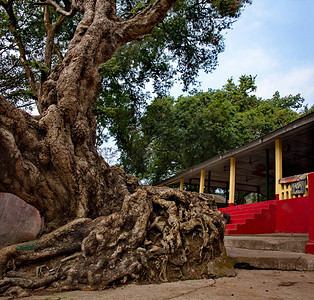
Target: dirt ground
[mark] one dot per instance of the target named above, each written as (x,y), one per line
(248,284)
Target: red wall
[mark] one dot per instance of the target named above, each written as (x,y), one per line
(297,215)
(293,215)
(310,245)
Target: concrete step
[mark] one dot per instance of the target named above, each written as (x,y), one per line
(239,220)
(260,224)
(230,231)
(256,218)
(277,260)
(247,209)
(274,242)
(243,216)
(232,226)
(242,219)
(259,205)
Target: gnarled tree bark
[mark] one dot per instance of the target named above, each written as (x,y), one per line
(112,228)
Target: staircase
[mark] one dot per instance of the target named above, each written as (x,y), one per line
(255,218)
(276,251)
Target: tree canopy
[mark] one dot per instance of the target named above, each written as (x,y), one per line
(175,134)
(187,41)
(34,39)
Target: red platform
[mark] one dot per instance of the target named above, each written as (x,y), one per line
(252,218)
(276,216)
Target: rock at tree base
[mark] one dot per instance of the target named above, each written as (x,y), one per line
(19,221)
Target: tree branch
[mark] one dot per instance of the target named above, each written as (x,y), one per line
(14,29)
(3,3)
(144,22)
(26,105)
(58,52)
(60,10)
(51,33)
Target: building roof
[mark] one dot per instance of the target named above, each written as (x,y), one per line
(297,141)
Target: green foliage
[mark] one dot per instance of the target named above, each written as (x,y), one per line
(186,41)
(176,134)
(30,29)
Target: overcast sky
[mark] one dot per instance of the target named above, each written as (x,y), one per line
(274,40)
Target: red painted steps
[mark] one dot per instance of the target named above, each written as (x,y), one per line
(252,218)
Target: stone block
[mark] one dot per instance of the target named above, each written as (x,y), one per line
(19,221)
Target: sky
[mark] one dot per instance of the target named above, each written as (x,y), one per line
(274,40)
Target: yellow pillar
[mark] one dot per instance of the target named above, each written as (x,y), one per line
(202,181)
(232,181)
(278,166)
(181,184)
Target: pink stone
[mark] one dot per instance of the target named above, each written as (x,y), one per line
(19,221)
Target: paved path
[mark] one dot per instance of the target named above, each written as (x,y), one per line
(248,284)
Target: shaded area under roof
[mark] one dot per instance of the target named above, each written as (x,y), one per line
(298,157)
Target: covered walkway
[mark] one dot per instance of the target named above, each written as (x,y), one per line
(278,166)
(256,167)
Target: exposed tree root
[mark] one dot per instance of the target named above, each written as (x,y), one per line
(159,234)
(120,231)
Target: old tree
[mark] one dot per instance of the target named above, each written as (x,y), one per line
(101,227)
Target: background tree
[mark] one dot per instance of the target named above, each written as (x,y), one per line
(176,134)
(112,228)
(175,50)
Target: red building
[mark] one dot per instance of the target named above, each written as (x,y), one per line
(268,183)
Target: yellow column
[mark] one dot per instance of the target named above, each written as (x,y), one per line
(202,181)
(278,166)
(181,184)
(232,181)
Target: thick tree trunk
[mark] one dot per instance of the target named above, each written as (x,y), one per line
(46,163)
(112,227)
(55,165)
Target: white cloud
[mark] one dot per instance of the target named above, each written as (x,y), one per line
(273,74)
(236,62)
(249,60)
(294,81)
(260,45)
